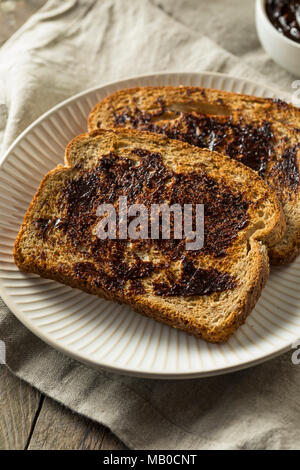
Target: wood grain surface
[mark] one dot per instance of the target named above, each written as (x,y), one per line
(28,420)
(18,407)
(59,428)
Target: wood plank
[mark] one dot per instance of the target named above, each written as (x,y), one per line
(58,428)
(19,404)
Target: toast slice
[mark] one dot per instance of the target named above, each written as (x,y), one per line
(264,134)
(207,292)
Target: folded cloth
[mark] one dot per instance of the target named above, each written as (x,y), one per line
(63,49)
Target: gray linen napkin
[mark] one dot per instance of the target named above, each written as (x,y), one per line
(76,44)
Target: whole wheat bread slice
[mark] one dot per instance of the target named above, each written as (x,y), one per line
(207,292)
(262,133)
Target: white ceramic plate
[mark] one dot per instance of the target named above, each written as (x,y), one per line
(105,334)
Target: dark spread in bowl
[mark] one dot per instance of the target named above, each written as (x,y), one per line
(285,16)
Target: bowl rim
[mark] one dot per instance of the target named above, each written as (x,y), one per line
(262,6)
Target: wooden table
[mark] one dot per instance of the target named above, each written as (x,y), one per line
(28,419)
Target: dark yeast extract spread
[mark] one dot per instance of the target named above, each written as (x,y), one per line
(285,16)
(251,145)
(117,264)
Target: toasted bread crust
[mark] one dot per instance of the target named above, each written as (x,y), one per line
(285,111)
(171,313)
(144,306)
(283,118)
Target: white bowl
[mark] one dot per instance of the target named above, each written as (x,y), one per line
(283,50)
